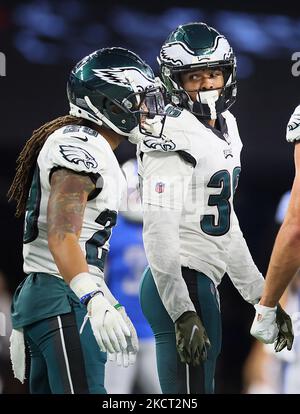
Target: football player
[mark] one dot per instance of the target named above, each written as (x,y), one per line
(191,232)
(285,260)
(68,184)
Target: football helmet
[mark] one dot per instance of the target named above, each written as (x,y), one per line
(114,87)
(197,46)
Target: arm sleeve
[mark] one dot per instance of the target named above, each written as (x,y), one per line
(165,182)
(242,270)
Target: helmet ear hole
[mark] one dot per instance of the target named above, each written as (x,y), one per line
(111,107)
(115,109)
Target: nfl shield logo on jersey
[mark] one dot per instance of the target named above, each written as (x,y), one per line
(160,187)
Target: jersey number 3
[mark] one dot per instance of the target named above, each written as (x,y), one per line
(222,180)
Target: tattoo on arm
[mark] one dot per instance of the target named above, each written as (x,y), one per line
(67,201)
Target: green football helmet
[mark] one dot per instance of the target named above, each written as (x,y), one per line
(114,87)
(197,46)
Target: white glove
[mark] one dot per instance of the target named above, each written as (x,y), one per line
(128,356)
(264,326)
(107,324)
(293,127)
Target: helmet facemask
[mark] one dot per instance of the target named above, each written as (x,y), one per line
(197,46)
(141,112)
(152,114)
(208,103)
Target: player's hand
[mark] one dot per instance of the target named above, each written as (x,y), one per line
(264,326)
(191,339)
(285,336)
(108,326)
(127,356)
(293,127)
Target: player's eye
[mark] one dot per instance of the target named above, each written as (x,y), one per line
(195,78)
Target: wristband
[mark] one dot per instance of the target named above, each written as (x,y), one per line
(86,298)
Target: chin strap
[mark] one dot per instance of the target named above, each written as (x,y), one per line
(210,98)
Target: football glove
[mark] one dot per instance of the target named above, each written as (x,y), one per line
(191,338)
(127,356)
(285,337)
(264,326)
(107,324)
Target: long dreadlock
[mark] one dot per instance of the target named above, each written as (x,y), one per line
(26,161)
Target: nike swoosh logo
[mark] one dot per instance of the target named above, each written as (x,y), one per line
(195,327)
(81,139)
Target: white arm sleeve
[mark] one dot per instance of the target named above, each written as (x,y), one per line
(242,270)
(165,182)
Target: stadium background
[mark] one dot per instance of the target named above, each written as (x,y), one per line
(43,39)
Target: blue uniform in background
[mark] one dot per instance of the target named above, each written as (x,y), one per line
(127,262)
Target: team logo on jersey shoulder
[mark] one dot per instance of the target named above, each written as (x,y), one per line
(159,144)
(78,155)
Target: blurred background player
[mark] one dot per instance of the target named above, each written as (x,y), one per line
(268,372)
(126,263)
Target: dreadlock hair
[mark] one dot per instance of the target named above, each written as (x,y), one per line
(26,161)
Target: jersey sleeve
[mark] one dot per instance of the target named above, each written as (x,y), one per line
(73,148)
(165,181)
(241,269)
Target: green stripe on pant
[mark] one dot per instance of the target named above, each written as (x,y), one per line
(174,376)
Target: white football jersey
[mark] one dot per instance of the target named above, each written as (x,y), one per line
(202,189)
(85,151)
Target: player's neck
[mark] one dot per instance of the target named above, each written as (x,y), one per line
(111,137)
